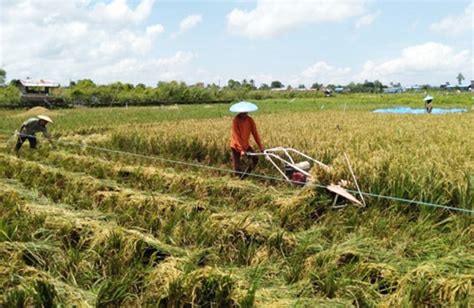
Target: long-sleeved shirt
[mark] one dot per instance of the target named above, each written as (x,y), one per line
(242,127)
(31,126)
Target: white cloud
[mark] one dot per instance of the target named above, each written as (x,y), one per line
(456,24)
(119,11)
(262,78)
(271,18)
(179,59)
(320,72)
(148,71)
(73,41)
(366,20)
(189,22)
(154,30)
(325,73)
(419,62)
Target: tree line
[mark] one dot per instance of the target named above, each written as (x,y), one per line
(87,93)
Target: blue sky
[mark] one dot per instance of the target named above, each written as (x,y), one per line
(296,42)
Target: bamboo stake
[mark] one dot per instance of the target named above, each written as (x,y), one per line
(355,180)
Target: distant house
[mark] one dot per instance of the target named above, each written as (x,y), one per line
(415,88)
(460,87)
(472,85)
(29,86)
(392,90)
(339,89)
(36,92)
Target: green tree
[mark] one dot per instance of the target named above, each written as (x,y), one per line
(252,84)
(233,84)
(460,78)
(85,83)
(9,95)
(276,85)
(378,86)
(247,85)
(3,76)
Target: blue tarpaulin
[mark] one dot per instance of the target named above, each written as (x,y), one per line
(408,110)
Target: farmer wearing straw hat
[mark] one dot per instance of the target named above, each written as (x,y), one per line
(242,127)
(28,130)
(428,103)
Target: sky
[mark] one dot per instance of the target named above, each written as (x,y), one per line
(295,42)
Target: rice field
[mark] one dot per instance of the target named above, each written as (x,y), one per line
(84,227)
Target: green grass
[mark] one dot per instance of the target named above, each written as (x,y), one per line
(98,118)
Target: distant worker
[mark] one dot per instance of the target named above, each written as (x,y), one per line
(28,130)
(327,92)
(428,103)
(242,127)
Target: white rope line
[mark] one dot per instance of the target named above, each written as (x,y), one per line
(255,175)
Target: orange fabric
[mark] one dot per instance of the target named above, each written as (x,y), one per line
(241,130)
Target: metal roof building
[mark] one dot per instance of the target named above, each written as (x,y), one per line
(37,93)
(39,83)
(393,90)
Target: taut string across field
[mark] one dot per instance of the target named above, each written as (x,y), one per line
(255,175)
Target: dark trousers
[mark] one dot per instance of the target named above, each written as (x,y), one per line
(429,107)
(236,161)
(22,139)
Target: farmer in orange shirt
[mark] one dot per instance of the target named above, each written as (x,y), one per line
(242,127)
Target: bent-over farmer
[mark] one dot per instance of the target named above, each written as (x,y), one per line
(28,130)
(428,103)
(242,127)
